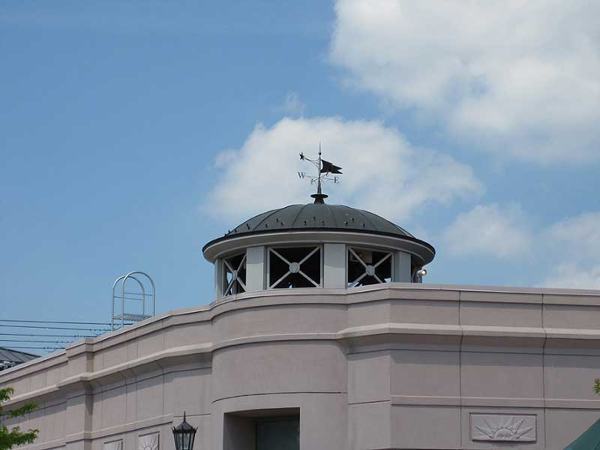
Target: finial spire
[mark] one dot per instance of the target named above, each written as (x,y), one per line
(324,169)
(319,191)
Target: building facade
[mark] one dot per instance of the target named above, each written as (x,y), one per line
(321,336)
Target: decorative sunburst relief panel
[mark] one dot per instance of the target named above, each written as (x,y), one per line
(114,445)
(148,441)
(503,427)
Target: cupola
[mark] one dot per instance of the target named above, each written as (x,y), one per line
(315,245)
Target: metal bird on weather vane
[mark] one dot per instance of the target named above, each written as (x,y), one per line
(325,170)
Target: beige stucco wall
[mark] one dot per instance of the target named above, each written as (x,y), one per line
(378,367)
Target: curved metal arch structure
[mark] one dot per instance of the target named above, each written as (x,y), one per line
(147,298)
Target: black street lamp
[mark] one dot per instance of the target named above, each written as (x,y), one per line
(184,435)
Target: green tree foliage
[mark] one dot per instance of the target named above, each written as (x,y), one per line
(14,436)
(597,386)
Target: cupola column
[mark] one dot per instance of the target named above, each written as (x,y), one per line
(334,266)
(402,268)
(256,268)
(218,278)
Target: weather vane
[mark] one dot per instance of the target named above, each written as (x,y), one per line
(325,170)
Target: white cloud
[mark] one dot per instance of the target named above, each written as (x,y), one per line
(225,157)
(489,230)
(573,276)
(292,105)
(575,242)
(382,171)
(567,252)
(522,77)
(578,236)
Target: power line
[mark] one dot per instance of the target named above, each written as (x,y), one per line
(35,341)
(82,330)
(54,321)
(54,328)
(38,348)
(77,336)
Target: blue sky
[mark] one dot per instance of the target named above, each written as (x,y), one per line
(134,132)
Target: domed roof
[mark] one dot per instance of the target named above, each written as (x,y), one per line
(319,216)
(313,219)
